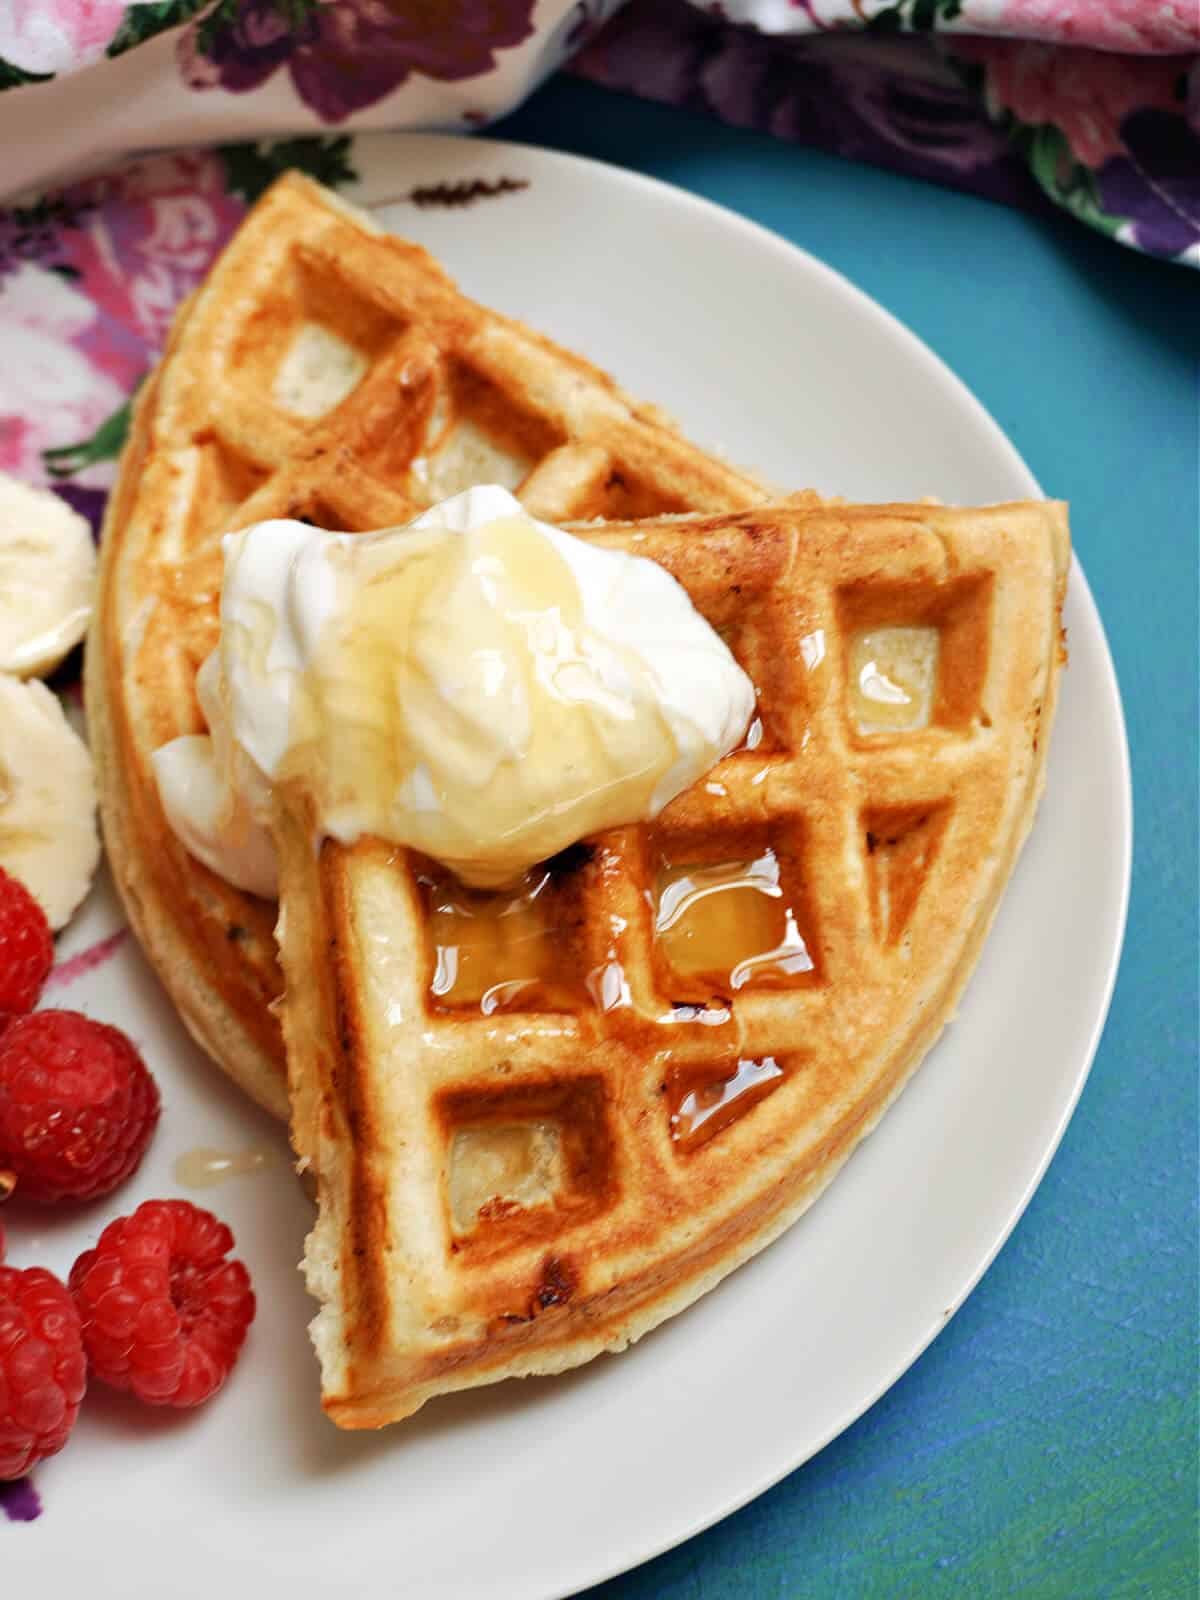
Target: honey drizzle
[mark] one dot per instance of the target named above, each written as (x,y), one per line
(441,639)
(893,674)
(204,1168)
(703,1109)
(730,923)
(496,951)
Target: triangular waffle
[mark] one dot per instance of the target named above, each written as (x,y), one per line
(327,371)
(536,1140)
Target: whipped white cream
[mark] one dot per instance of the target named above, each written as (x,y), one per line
(213,796)
(480,686)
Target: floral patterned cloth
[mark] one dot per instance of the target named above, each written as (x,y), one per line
(91,269)
(90,278)
(1094,104)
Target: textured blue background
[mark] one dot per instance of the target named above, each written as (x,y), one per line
(1046,1444)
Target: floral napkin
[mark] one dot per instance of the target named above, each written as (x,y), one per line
(1095,108)
(1092,104)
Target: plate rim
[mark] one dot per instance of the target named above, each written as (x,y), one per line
(761,236)
(1110,718)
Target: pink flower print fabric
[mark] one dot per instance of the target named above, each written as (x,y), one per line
(345,55)
(1089,105)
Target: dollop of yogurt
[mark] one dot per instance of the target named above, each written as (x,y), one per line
(478,686)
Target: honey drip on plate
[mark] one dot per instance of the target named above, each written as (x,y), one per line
(893,674)
(730,924)
(204,1168)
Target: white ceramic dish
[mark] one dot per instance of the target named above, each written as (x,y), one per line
(539,1488)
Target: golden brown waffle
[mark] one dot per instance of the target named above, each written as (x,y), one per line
(327,371)
(539,1134)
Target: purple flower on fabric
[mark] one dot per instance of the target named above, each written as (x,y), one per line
(1156,185)
(19,1501)
(655,51)
(582,25)
(35,234)
(889,101)
(89,503)
(345,55)
(831,92)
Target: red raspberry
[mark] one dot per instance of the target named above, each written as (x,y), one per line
(43,1371)
(26,948)
(164,1313)
(77,1106)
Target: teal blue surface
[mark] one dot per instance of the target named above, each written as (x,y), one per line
(1046,1443)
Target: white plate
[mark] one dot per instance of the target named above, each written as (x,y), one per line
(542,1487)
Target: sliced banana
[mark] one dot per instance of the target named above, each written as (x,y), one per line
(48,835)
(47,575)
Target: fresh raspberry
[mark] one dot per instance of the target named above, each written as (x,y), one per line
(26,948)
(77,1106)
(43,1370)
(164,1313)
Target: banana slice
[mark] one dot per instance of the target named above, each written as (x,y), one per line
(47,575)
(48,835)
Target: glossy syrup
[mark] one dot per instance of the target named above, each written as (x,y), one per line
(501,950)
(730,924)
(461,702)
(893,675)
(204,1168)
(701,1109)
(606,983)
